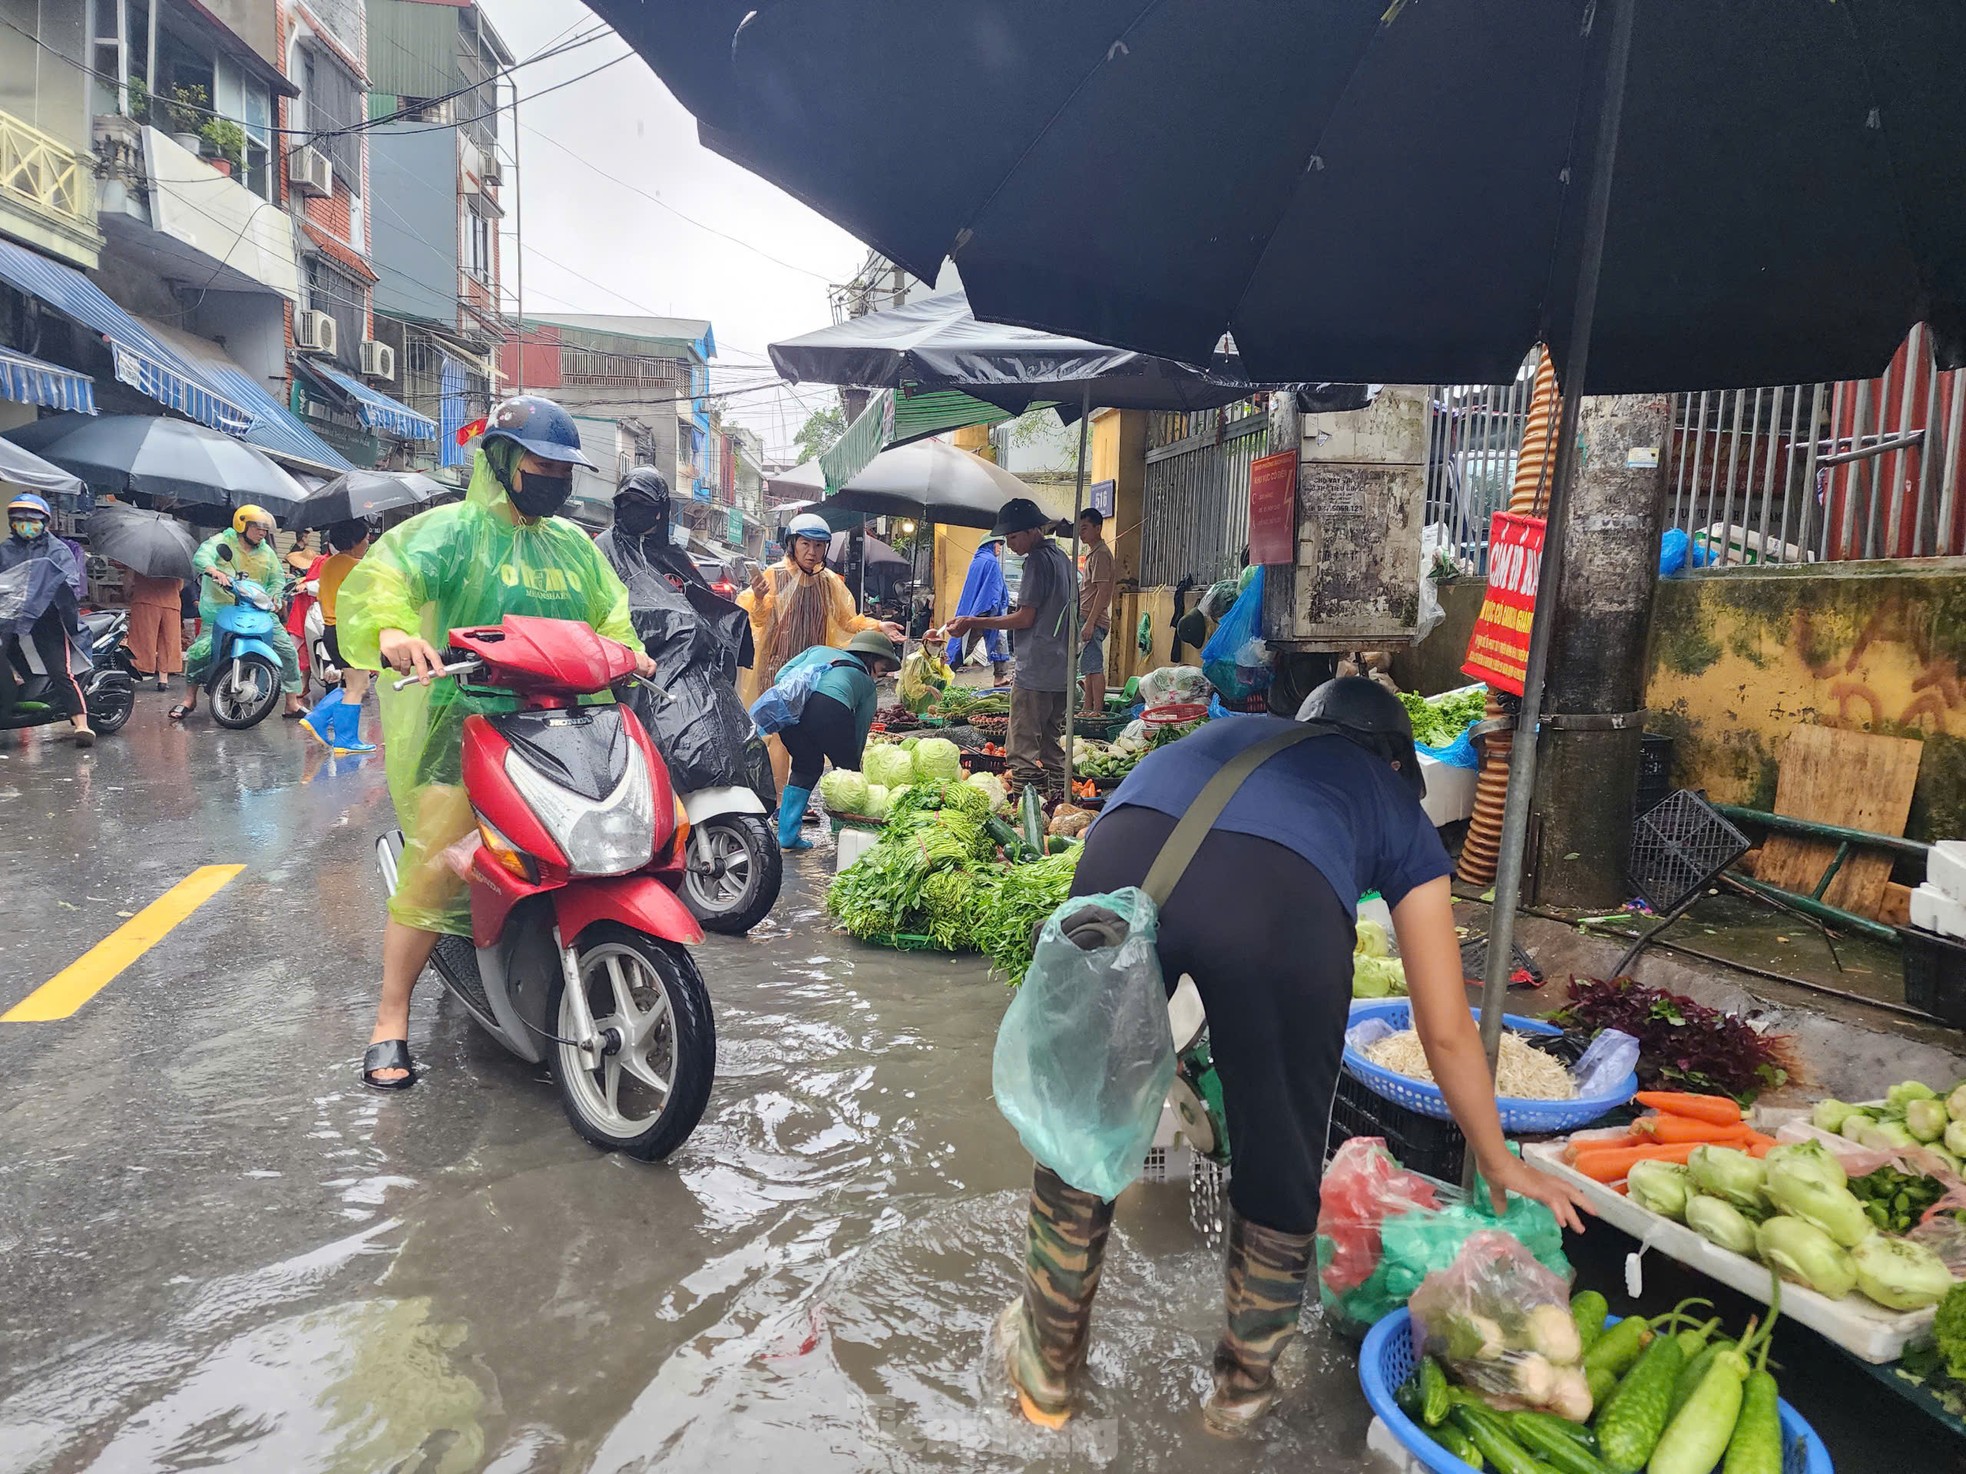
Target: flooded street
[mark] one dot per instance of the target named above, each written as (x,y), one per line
(217,1251)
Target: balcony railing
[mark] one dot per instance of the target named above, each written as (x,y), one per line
(47,175)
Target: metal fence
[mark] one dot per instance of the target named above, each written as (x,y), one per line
(1474,438)
(1195,513)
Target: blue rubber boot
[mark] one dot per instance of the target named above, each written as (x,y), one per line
(347,725)
(791,812)
(319,723)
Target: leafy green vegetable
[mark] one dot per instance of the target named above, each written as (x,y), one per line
(1012,905)
(1439,720)
(1949,1331)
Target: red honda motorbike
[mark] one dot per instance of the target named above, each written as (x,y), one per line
(579,953)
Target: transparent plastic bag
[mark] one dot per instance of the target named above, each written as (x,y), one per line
(1500,1323)
(1174,685)
(1084,1056)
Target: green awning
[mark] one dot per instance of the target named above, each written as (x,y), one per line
(864,439)
(897,417)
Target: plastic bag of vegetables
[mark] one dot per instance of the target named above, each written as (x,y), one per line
(1500,1323)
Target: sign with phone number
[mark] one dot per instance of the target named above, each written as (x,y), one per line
(1498,652)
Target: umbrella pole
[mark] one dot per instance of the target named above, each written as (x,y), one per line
(1072,611)
(1522,760)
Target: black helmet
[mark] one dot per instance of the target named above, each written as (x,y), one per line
(1367,713)
(644,482)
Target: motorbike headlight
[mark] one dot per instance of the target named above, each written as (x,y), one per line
(611,837)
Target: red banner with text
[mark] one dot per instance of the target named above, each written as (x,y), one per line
(1273,508)
(1498,653)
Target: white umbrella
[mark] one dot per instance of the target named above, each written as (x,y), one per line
(930,479)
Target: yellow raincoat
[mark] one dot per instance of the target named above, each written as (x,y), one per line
(842,621)
(467,564)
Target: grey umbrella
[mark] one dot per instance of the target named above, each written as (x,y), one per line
(141,540)
(172,460)
(363,494)
(21,467)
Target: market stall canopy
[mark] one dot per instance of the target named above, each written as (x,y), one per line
(930,479)
(21,467)
(173,460)
(27,380)
(275,429)
(367,494)
(143,541)
(380,414)
(1790,174)
(878,553)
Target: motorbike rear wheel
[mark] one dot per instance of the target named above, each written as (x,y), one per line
(245,692)
(647,999)
(109,707)
(734,872)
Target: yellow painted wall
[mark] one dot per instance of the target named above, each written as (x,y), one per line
(1118,453)
(1739,659)
(954,548)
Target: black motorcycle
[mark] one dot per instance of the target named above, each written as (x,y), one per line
(108,685)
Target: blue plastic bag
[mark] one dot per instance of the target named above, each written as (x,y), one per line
(1235,659)
(1084,1055)
(783,704)
(1677,551)
(1460,753)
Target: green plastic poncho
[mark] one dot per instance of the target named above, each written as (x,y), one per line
(470,563)
(264,567)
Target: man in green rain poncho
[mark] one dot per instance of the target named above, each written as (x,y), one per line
(501,551)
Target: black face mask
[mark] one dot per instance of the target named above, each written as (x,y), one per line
(639,517)
(541,496)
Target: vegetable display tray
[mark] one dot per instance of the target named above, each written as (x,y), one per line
(1517,1114)
(1387,1358)
(1860,1326)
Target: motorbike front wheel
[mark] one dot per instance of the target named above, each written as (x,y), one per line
(109,704)
(245,691)
(734,872)
(648,1090)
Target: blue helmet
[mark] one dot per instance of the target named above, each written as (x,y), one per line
(811,526)
(538,425)
(27,501)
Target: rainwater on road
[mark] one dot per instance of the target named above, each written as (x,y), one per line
(218,1251)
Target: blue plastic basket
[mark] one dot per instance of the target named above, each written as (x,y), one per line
(1517,1115)
(1387,1358)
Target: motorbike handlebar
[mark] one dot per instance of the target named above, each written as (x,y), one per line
(455,668)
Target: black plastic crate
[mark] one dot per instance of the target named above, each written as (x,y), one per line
(1678,847)
(1421,1143)
(1654,772)
(1935,974)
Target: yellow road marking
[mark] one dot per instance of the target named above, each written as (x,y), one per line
(97,968)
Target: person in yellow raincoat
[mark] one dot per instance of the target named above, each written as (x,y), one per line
(501,551)
(795,605)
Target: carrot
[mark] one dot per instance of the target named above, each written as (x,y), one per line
(1607,1144)
(1612,1165)
(1758,1145)
(1715,1108)
(1669,1128)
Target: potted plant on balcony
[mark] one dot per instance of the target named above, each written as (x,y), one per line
(187,111)
(136,94)
(225,145)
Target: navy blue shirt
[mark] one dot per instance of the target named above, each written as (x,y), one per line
(1327,799)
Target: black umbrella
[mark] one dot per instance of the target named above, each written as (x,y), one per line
(143,541)
(363,494)
(173,460)
(938,343)
(21,467)
(1374,191)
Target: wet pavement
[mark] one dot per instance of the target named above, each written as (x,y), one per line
(217,1251)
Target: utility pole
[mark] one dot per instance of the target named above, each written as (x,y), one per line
(518,244)
(1588,755)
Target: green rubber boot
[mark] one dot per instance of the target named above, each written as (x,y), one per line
(1264,1289)
(1043,1332)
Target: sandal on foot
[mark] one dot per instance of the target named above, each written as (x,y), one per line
(390,1054)
(181,711)
(292,716)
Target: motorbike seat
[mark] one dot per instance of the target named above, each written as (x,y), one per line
(27,659)
(99,624)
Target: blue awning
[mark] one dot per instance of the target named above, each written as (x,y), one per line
(376,410)
(275,428)
(30,381)
(142,362)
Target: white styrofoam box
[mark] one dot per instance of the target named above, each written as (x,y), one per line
(1450,791)
(1936,911)
(853,843)
(1945,868)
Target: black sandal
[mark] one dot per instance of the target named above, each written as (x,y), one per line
(181,711)
(294,716)
(390,1054)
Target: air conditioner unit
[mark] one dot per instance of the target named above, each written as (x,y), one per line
(314,332)
(309,172)
(491,176)
(378,359)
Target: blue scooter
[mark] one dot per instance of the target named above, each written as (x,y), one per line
(243,678)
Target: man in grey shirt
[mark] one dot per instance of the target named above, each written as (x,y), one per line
(1042,619)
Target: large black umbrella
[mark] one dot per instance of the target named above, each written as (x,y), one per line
(1672,193)
(172,460)
(363,494)
(1368,190)
(937,342)
(930,479)
(21,467)
(143,541)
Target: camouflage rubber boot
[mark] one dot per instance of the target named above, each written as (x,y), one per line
(1042,1333)
(1265,1294)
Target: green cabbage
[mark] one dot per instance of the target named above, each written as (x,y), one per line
(1720,1223)
(1900,1274)
(1808,1159)
(1377,977)
(1803,1253)
(1956,1103)
(1855,1124)
(877,801)
(938,757)
(1926,1119)
(1372,940)
(1722,1172)
(991,787)
(1903,1094)
(1955,1138)
(887,765)
(1835,1210)
(1662,1187)
(844,792)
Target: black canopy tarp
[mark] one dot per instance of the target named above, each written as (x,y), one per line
(1358,190)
